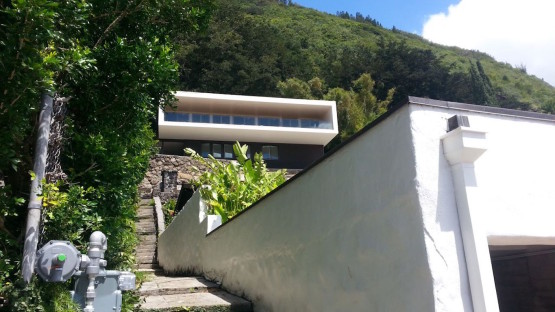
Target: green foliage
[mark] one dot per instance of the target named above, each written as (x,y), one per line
(228,188)
(482,90)
(549,107)
(356,107)
(114,61)
(252,45)
(295,88)
(74,208)
(169,211)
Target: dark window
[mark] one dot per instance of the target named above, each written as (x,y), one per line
(217,150)
(269,152)
(268,121)
(205,149)
(324,125)
(309,123)
(201,118)
(288,122)
(221,119)
(243,120)
(228,151)
(174,116)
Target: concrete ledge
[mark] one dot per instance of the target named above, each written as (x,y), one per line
(161,226)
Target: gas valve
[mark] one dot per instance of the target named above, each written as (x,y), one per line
(57,261)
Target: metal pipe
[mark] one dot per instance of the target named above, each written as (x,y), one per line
(35,202)
(97,246)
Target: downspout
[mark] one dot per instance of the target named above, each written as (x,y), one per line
(35,202)
(462,146)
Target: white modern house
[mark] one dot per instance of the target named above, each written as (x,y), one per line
(436,206)
(290,133)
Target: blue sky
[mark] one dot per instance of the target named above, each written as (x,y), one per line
(518,32)
(407,15)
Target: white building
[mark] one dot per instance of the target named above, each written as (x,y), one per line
(290,133)
(408,215)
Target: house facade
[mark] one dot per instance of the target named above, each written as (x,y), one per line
(289,133)
(435,206)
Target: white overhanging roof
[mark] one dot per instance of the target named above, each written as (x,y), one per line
(238,105)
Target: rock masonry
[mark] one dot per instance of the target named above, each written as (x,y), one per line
(167,174)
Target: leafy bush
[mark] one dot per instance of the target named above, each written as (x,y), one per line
(234,186)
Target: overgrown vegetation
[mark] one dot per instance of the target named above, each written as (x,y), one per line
(113,60)
(230,187)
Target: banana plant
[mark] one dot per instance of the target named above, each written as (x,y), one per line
(235,185)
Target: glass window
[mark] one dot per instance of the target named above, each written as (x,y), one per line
(250,121)
(175,116)
(217,150)
(205,149)
(268,121)
(309,123)
(201,118)
(221,119)
(324,125)
(228,151)
(269,152)
(243,120)
(289,122)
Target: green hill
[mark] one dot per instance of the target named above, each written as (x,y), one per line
(252,45)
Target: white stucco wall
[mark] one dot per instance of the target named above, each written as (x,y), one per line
(346,235)
(515,192)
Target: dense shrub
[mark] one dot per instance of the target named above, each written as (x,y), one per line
(228,188)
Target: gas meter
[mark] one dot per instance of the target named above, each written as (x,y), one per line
(95,287)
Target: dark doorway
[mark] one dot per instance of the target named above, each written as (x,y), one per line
(524,277)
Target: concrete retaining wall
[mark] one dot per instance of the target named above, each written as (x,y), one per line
(345,235)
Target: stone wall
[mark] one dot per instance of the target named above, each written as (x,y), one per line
(179,173)
(181,165)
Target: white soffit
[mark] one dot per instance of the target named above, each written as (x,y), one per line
(249,105)
(240,104)
(242,133)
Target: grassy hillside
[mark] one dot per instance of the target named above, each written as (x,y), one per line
(252,45)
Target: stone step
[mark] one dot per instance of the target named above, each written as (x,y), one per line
(141,255)
(142,222)
(208,301)
(143,259)
(145,249)
(145,225)
(151,230)
(147,239)
(148,266)
(145,214)
(170,285)
(146,245)
(146,202)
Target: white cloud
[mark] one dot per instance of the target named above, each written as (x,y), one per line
(514,31)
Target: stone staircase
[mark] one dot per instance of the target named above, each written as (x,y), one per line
(173,293)
(146,231)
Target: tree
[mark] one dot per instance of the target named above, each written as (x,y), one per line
(482,90)
(294,88)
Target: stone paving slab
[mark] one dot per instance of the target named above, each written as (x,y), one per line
(167,285)
(181,302)
(144,214)
(148,266)
(146,202)
(146,231)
